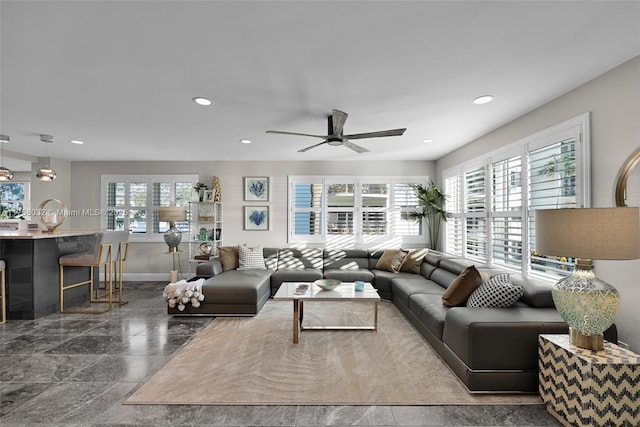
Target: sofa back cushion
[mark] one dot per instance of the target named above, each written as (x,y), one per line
(271,258)
(537,292)
(299,259)
(346,259)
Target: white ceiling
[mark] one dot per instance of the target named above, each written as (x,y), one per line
(120,75)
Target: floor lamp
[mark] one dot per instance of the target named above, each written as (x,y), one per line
(172,236)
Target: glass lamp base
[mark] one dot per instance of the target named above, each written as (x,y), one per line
(173,237)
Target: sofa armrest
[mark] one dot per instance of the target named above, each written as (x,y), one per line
(209,268)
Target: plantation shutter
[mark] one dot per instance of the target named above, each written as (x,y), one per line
(552,185)
(453,205)
(405,201)
(506,215)
(306,204)
(475,213)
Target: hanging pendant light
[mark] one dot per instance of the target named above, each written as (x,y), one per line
(5,174)
(46,173)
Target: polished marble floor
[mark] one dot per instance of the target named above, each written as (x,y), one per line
(76,370)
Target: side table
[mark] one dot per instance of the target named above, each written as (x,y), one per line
(583,387)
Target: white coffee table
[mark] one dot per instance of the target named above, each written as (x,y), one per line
(344,292)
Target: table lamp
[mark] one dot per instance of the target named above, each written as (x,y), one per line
(588,304)
(172,214)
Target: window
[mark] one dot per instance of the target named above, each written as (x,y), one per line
(358,211)
(14,200)
(131,202)
(492,199)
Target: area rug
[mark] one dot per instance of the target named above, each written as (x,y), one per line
(252,360)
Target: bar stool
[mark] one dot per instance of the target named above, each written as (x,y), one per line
(102,255)
(121,257)
(3,310)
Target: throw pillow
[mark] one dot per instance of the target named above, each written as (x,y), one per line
(250,258)
(496,292)
(391,260)
(459,290)
(228,257)
(413,261)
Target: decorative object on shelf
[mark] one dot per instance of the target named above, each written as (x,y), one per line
(215,186)
(199,189)
(202,234)
(256,189)
(208,196)
(586,303)
(181,293)
(46,173)
(205,249)
(431,204)
(628,182)
(52,213)
(172,214)
(218,234)
(5,174)
(256,217)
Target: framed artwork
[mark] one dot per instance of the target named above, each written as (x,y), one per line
(256,189)
(256,218)
(208,196)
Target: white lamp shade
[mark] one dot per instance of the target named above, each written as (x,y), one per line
(591,233)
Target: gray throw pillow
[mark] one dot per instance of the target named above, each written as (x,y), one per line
(250,258)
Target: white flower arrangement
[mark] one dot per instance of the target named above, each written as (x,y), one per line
(181,293)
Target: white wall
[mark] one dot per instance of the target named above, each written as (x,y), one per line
(614,102)
(148,261)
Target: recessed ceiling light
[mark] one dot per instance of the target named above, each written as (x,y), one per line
(245,141)
(426,141)
(75,141)
(483,99)
(202,101)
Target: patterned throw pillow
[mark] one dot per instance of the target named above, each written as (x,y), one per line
(250,258)
(496,292)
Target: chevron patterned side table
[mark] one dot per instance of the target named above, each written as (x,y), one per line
(589,388)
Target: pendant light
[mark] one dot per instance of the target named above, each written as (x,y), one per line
(46,173)
(5,174)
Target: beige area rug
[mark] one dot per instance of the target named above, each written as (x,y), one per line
(252,360)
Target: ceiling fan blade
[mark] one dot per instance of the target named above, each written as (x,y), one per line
(338,118)
(379,134)
(296,133)
(313,146)
(355,147)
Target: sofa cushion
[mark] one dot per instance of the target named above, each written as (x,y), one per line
(537,292)
(237,287)
(403,285)
(228,257)
(294,258)
(348,259)
(391,260)
(458,292)
(496,292)
(429,309)
(293,275)
(413,260)
(250,258)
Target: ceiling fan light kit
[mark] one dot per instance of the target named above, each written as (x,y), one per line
(335,136)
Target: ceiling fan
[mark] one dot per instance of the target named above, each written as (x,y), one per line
(335,136)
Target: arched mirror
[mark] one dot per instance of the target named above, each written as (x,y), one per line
(628,184)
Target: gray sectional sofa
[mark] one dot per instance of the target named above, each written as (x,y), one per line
(489,349)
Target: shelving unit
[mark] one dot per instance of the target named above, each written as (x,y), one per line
(205,227)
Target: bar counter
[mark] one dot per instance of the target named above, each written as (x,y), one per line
(32,269)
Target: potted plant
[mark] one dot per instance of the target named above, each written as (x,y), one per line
(431,204)
(199,189)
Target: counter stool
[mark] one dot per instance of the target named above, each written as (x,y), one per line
(3,297)
(102,255)
(121,257)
